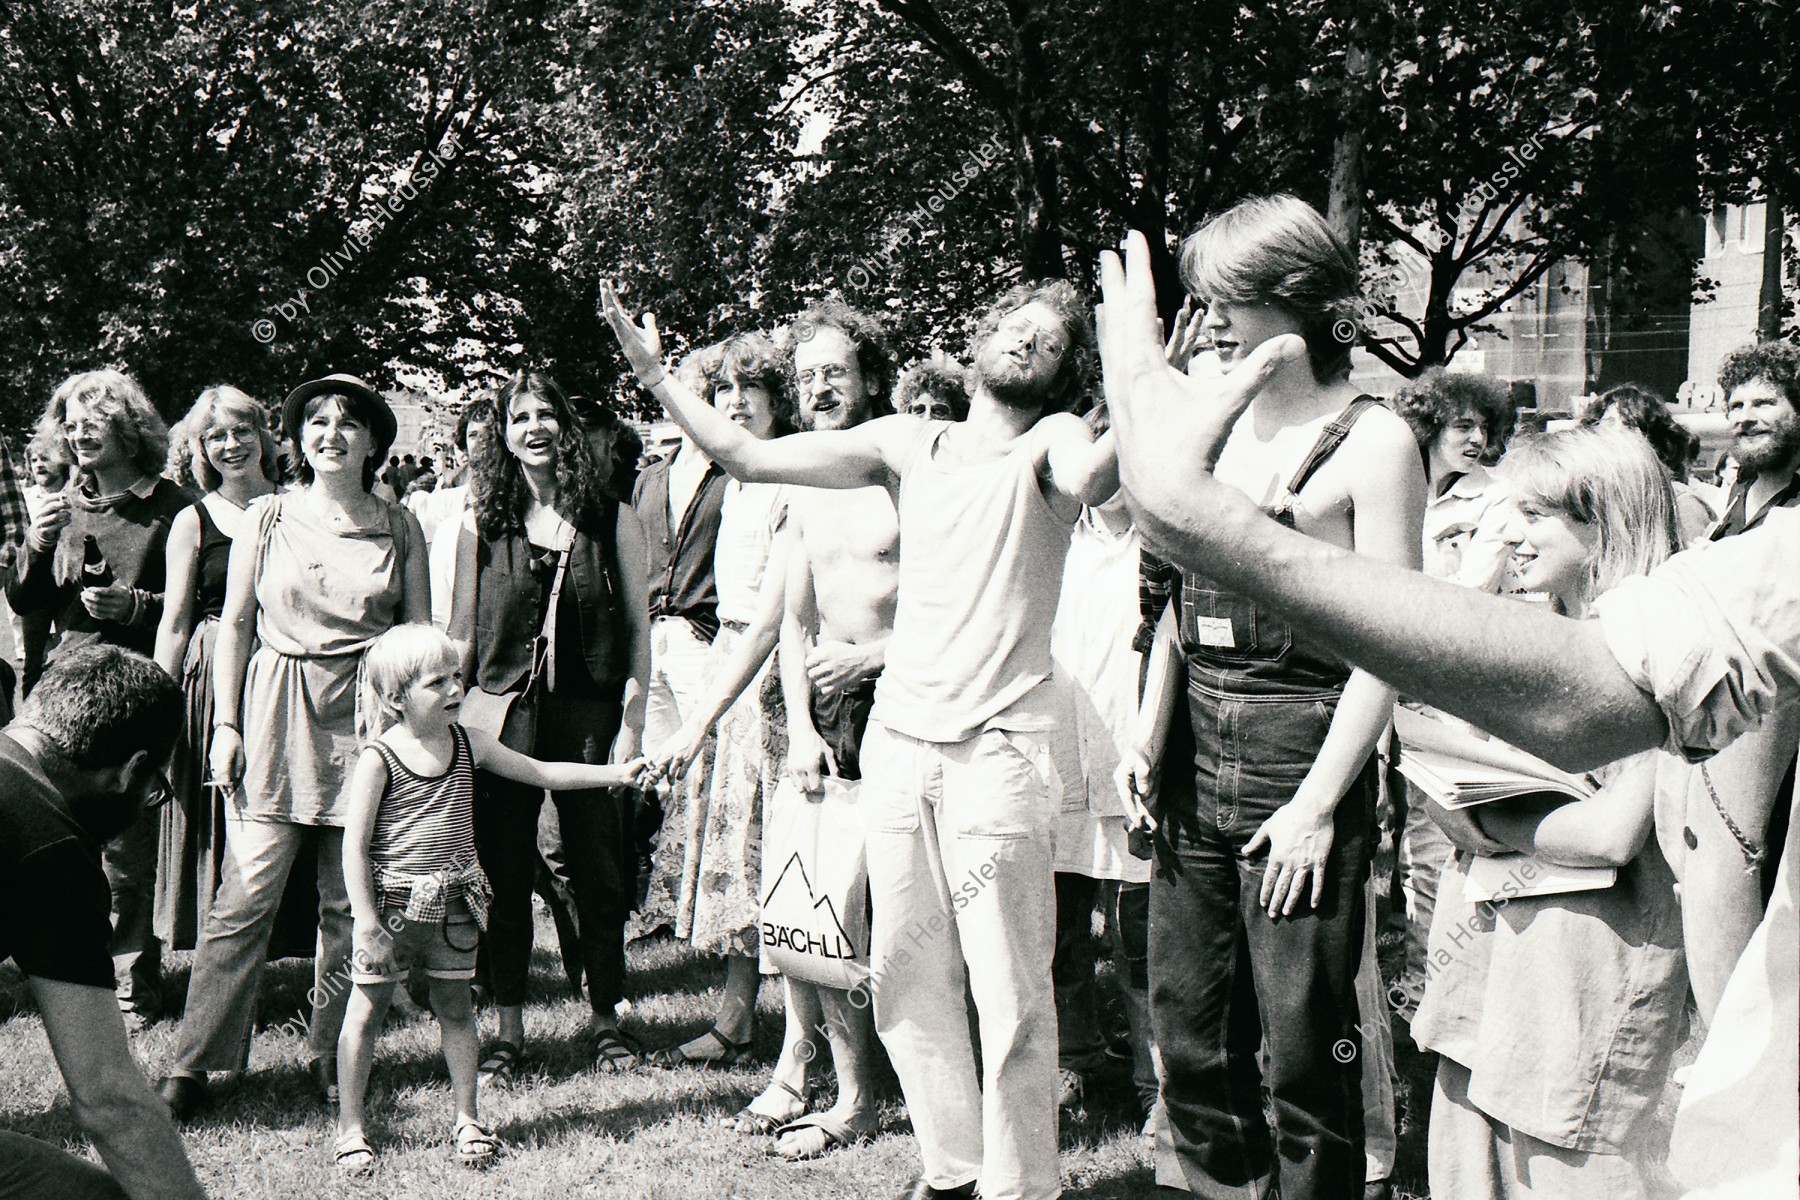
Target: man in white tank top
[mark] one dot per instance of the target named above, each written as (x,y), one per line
(957,777)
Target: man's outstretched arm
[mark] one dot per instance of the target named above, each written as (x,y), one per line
(846,458)
(1544,682)
(109,1096)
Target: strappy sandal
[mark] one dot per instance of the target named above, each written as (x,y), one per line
(501,1066)
(838,1135)
(675,1056)
(355,1157)
(476,1145)
(760,1124)
(616,1051)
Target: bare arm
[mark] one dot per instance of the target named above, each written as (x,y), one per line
(1080,465)
(634,580)
(231,657)
(731,676)
(367,781)
(846,458)
(1541,681)
(183,564)
(1140,766)
(808,755)
(490,755)
(109,1096)
(1608,829)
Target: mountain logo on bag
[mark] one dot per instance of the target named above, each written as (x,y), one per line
(827,937)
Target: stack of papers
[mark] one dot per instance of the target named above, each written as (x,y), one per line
(1459,769)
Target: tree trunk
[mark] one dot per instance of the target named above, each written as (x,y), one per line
(1768,300)
(1345,212)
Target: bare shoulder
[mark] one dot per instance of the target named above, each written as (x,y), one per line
(1382,440)
(1060,427)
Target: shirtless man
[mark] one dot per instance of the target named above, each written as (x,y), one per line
(1273,822)
(956,753)
(843,571)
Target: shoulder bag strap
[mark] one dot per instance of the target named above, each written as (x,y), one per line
(546,640)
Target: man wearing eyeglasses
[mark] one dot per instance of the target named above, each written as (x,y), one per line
(77,768)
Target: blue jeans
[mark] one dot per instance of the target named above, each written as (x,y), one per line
(1226,980)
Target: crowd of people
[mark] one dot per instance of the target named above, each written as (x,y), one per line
(1065,642)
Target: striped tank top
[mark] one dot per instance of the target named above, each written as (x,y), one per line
(426,823)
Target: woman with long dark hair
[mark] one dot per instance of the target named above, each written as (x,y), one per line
(550,599)
(322,571)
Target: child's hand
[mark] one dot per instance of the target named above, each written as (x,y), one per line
(636,773)
(371,945)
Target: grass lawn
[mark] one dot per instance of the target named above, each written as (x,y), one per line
(568,1130)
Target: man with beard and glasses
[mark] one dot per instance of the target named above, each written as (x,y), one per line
(77,768)
(957,777)
(842,572)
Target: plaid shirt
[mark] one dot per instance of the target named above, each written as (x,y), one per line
(1158,583)
(424,897)
(15,518)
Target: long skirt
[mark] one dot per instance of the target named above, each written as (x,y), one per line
(722,874)
(191,843)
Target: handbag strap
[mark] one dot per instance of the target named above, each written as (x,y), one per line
(462,596)
(545,646)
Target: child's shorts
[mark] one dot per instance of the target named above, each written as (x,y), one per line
(445,947)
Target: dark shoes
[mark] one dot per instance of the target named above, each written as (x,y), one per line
(918,1189)
(184,1095)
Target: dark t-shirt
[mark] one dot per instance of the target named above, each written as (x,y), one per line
(55,906)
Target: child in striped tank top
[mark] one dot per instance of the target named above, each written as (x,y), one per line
(417,894)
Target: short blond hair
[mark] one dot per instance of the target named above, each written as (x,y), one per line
(394,662)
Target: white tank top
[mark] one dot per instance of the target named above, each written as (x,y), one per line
(981,564)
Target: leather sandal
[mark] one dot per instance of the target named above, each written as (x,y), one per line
(475,1145)
(675,1056)
(501,1065)
(354,1155)
(760,1124)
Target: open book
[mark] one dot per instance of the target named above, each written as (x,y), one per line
(1457,768)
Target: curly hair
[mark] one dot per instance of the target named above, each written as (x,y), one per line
(1280,250)
(500,496)
(1641,409)
(940,376)
(220,404)
(753,359)
(1437,397)
(1069,386)
(1776,362)
(128,412)
(478,411)
(867,335)
(1608,478)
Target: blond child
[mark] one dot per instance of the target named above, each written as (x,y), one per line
(417,894)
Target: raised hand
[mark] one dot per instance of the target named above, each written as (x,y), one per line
(1170,428)
(1185,340)
(642,344)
